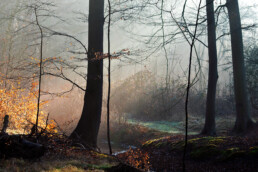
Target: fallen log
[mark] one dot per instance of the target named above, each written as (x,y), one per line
(122,168)
(17,146)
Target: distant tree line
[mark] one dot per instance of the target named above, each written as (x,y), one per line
(192,31)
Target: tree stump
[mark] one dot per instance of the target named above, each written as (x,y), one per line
(5,124)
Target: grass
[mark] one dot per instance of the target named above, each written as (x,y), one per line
(162,126)
(64,158)
(64,165)
(126,134)
(132,132)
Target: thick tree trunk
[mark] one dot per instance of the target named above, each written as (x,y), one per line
(88,126)
(243,119)
(209,127)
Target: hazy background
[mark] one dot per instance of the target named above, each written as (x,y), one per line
(139,76)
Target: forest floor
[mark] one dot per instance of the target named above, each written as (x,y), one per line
(61,154)
(203,154)
(156,151)
(224,153)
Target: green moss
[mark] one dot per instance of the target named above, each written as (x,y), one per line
(231,153)
(216,141)
(178,145)
(198,142)
(70,165)
(253,150)
(80,166)
(206,148)
(100,155)
(204,152)
(208,140)
(100,167)
(233,149)
(161,144)
(202,147)
(152,142)
(68,168)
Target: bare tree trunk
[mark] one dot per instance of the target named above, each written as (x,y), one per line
(40,68)
(109,80)
(5,124)
(88,126)
(193,39)
(209,127)
(243,119)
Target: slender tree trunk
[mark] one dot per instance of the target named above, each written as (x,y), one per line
(88,126)
(193,39)
(109,79)
(209,127)
(40,69)
(243,119)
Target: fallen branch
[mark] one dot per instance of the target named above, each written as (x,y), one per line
(15,146)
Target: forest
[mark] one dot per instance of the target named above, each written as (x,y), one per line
(128,85)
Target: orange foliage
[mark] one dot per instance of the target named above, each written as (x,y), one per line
(21,106)
(137,158)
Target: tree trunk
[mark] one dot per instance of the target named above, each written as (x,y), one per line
(5,124)
(243,119)
(209,127)
(88,126)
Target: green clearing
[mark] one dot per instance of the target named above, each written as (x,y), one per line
(162,126)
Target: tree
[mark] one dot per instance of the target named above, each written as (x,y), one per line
(209,127)
(251,59)
(88,126)
(191,43)
(243,118)
(109,79)
(40,67)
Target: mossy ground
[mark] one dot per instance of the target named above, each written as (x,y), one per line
(203,153)
(126,135)
(159,154)
(220,148)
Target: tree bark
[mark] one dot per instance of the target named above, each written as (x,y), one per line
(243,118)
(210,127)
(109,79)
(5,124)
(88,126)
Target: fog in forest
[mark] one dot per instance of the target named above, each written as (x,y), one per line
(150,53)
(140,72)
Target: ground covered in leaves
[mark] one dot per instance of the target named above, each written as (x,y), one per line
(203,154)
(226,153)
(61,154)
(222,153)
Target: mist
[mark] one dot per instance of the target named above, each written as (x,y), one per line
(150,48)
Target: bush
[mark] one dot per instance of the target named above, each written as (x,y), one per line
(144,96)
